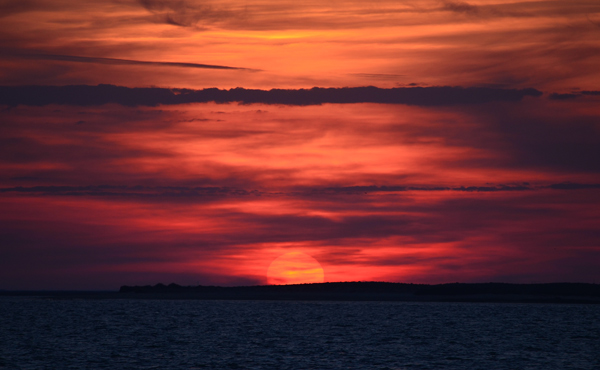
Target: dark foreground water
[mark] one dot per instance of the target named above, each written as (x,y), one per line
(161,334)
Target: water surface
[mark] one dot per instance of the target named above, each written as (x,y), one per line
(150,334)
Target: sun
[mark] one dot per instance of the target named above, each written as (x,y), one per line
(295,268)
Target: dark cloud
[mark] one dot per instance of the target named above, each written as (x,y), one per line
(183,13)
(112,61)
(556,96)
(58,249)
(132,191)
(142,191)
(492,188)
(539,134)
(566,141)
(460,7)
(374,188)
(573,95)
(379,76)
(85,95)
(508,10)
(9,7)
(93,159)
(572,186)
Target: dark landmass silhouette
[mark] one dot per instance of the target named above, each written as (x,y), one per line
(350,291)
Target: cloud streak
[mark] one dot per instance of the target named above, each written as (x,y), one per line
(183,13)
(114,61)
(148,192)
(573,95)
(460,7)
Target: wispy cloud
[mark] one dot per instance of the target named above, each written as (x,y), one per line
(113,61)
(460,7)
(572,95)
(9,7)
(186,13)
(148,193)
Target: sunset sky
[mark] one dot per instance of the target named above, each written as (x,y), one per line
(195,142)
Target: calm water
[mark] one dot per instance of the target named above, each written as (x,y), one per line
(155,334)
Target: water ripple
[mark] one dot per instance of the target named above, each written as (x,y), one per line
(151,334)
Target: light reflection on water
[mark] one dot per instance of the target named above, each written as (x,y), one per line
(149,334)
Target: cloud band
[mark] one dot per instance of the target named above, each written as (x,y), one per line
(86,95)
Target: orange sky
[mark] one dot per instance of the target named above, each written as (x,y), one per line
(547,44)
(99,195)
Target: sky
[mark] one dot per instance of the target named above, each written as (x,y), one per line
(195,142)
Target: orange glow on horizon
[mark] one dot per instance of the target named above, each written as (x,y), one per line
(295,268)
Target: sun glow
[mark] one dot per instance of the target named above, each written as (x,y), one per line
(295,268)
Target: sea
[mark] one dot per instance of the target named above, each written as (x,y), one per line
(38,333)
